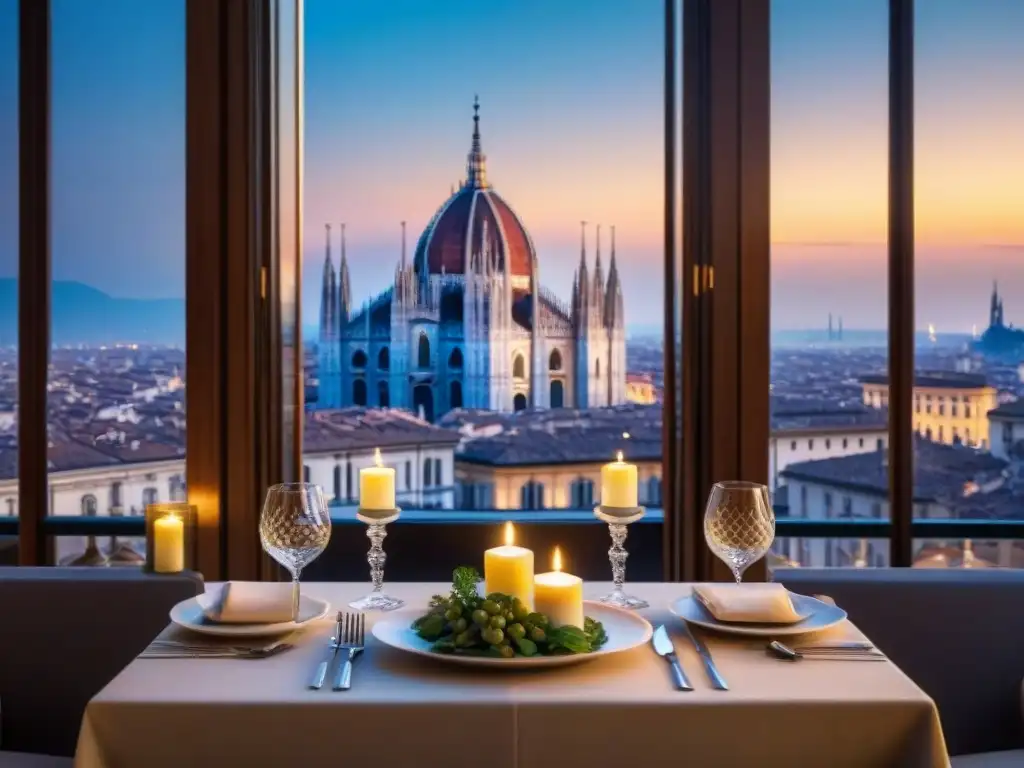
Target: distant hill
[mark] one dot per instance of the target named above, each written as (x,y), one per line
(84,315)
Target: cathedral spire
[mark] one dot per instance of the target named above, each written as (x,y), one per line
(328,290)
(613,292)
(598,271)
(344,286)
(403,245)
(476,160)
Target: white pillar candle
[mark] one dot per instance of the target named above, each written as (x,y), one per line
(509,569)
(559,596)
(618,484)
(168,544)
(377,485)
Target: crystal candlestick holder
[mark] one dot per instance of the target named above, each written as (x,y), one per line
(618,518)
(376,521)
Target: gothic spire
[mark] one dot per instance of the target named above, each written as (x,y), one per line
(327,291)
(344,286)
(613,292)
(403,245)
(598,271)
(476,160)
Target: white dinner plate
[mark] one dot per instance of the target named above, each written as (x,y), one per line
(625,629)
(189,614)
(817,616)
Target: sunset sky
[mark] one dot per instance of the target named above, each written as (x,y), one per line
(571,116)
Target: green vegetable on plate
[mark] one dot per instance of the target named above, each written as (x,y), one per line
(501,626)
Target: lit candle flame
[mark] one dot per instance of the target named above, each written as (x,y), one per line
(510,534)
(618,457)
(556,560)
(376,457)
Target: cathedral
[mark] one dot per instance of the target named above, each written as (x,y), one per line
(467,324)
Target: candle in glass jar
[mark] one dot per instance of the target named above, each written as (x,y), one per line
(559,596)
(377,485)
(168,544)
(509,569)
(618,484)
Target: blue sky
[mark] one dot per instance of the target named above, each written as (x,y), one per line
(571,120)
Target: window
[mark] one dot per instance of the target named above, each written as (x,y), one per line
(383,395)
(408,475)
(384,359)
(117,227)
(532,495)
(967,410)
(810,444)
(518,367)
(305,473)
(337,481)
(792,445)
(654,491)
(847,506)
(880,444)
(581,493)
(828,444)
(845,443)
(349,487)
(860,442)
(424,351)
(942,407)
(359,392)
(358,360)
(462,356)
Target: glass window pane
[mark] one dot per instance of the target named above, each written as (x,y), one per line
(9,273)
(116,390)
(453,317)
(829,398)
(969,262)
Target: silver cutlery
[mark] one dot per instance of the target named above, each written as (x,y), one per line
(352,641)
(664,648)
(717,681)
(163,649)
(850,651)
(332,650)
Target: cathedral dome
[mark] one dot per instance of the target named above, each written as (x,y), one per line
(473,212)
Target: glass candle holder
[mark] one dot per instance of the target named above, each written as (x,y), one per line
(617,519)
(376,523)
(170,537)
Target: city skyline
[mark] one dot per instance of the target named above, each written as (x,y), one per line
(559,153)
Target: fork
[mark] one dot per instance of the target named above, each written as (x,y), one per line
(353,633)
(171,650)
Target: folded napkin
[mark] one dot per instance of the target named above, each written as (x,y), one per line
(754,603)
(250,602)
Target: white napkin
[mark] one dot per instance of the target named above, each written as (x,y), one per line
(754,603)
(251,602)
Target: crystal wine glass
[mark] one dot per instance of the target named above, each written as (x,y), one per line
(295,527)
(739,524)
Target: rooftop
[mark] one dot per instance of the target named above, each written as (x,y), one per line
(358,429)
(941,472)
(824,416)
(935,380)
(559,436)
(1012,410)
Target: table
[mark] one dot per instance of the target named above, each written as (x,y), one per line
(408,711)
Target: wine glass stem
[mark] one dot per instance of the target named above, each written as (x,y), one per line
(376,557)
(617,554)
(738,575)
(295,594)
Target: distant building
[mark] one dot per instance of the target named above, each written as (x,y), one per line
(338,443)
(552,459)
(999,339)
(821,430)
(1006,428)
(947,478)
(467,324)
(640,389)
(949,407)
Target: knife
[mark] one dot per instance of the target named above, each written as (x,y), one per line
(717,682)
(332,650)
(664,648)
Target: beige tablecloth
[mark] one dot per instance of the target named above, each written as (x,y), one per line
(409,711)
